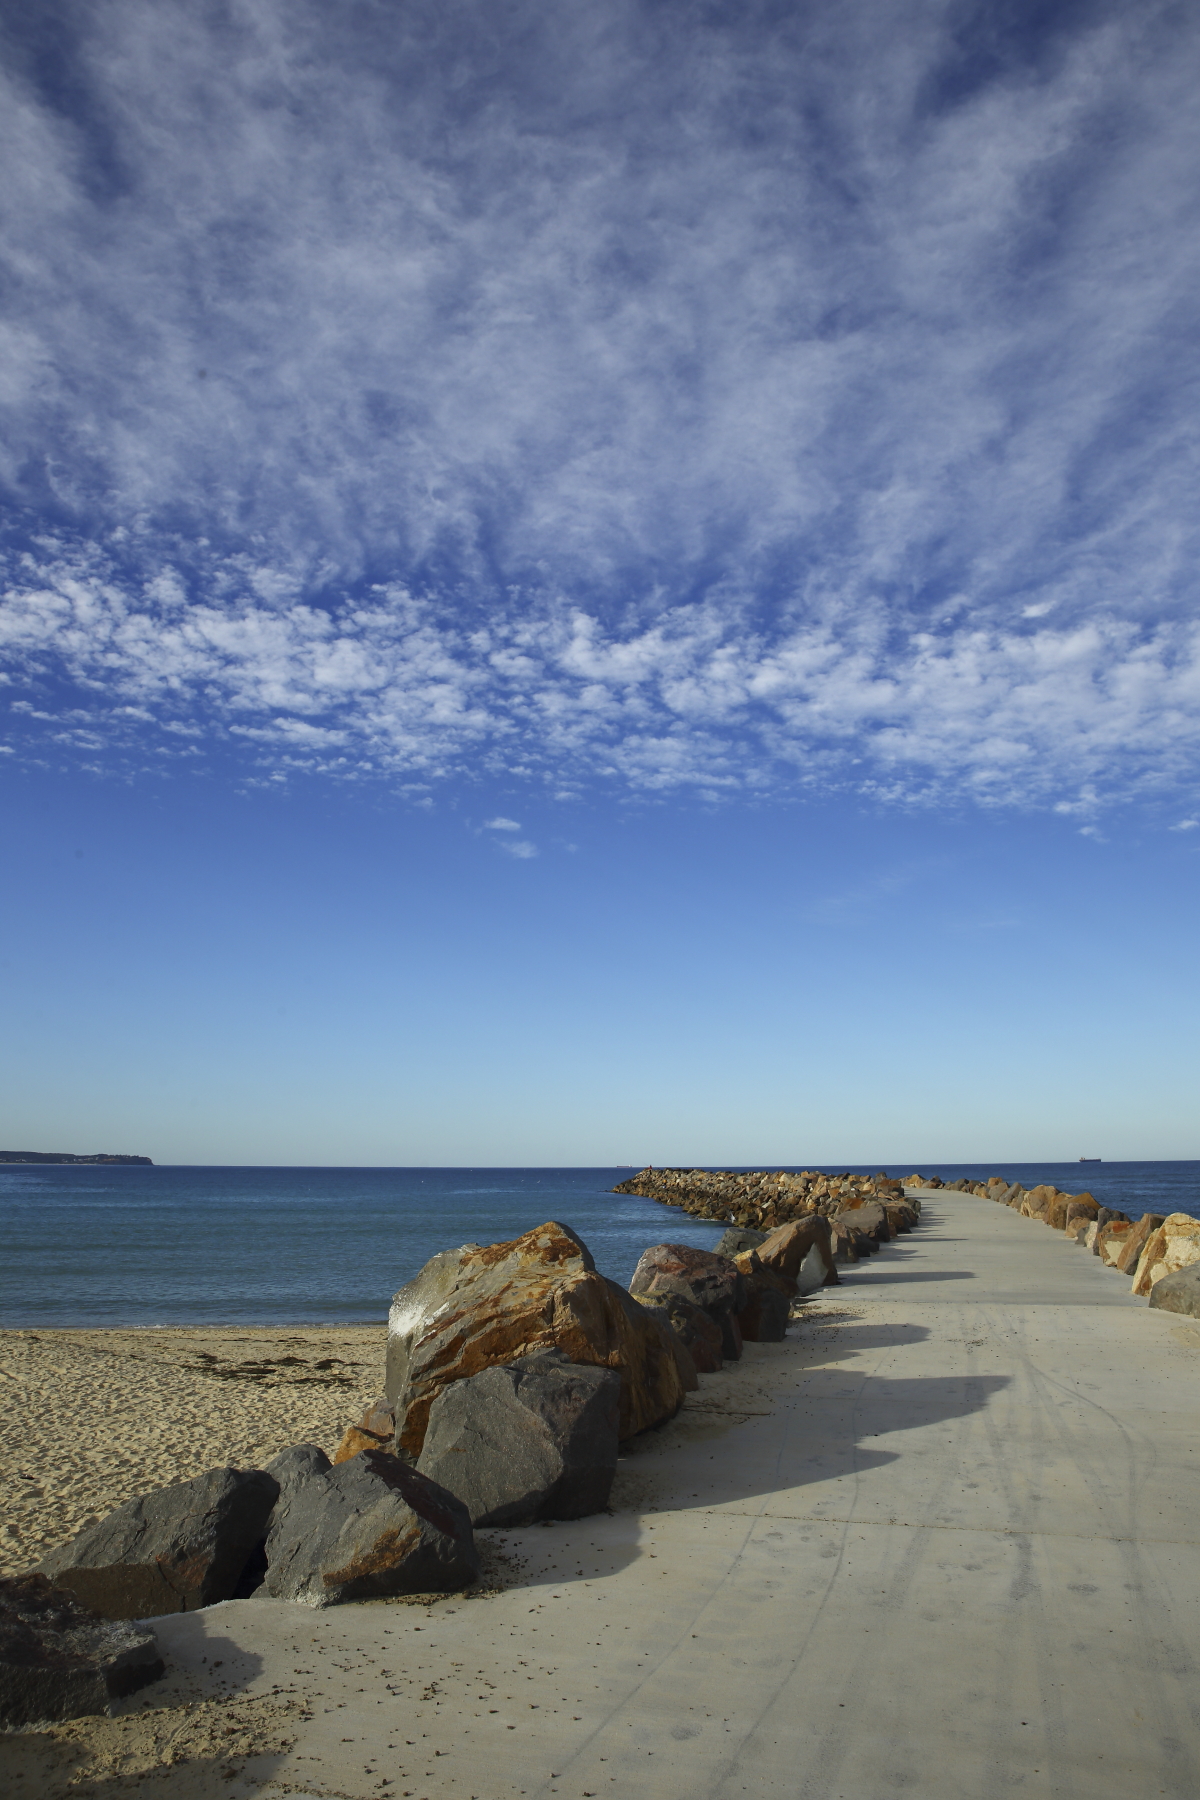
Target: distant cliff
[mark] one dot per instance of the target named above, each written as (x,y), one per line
(63,1156)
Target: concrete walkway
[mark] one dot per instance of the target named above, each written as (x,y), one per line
(944,1541)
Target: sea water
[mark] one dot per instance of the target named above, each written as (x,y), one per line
(126,1245)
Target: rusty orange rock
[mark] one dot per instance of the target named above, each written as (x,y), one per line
(785,1250)
(487,1305)
(1175,1245)
(1136,1241)
(355,1440)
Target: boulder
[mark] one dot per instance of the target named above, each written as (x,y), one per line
(1111,1239)
(1077,1229)
(59,1661)
(790,1250)
(1179,1292)
(764,1318)
(1175,1245)
(1037,1201)
(868,1218)
(374,1431)
(709,1281)
(846,1245)
(291,1468)
(1065,1207)
(1131,1250)
(536,1439)
(173,1550)
(484,1307)
(366,1529)
(699,1335)
(732,1242)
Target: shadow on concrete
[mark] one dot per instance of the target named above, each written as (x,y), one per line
(854,1336)
(888,1275)
(717,1453)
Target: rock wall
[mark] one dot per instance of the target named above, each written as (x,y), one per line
(1146,1249)
(759,1200)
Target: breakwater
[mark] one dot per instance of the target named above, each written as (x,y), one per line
(1160,1253)
(761,1199)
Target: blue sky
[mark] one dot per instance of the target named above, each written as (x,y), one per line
(599,582)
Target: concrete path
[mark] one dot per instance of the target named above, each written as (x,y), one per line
(944,1541)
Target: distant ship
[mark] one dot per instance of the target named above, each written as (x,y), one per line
(1091,1159)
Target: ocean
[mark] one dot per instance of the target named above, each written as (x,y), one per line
(171,1245)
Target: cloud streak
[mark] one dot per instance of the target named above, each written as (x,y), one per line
(627,395)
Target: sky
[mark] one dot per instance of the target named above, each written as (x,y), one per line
(599,583)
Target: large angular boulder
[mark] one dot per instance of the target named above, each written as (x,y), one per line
(1065,1207)
(698,1334)
(173,1550)
(1175,1245)
(764,1317)
(501,1302)
(535,1439)
(802,1252)
(709,1281)
(59,1661)
(1110,1239)
(868,1218)
(366,1529)
(713,1283)
(1037,1201)
(1179,1292)
(1130,1253)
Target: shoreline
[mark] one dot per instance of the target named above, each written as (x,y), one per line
(93,1416)
(912,1546)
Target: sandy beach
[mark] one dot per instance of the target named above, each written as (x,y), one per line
(940,1540)
(91,1418)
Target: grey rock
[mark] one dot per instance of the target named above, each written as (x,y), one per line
(764,1319)
(532,1439)
(732,1242)
(173,1550)
(365,1529)
(296,1465)
(869,1220)
(58,1661)
(1179,1292)
(699,1335)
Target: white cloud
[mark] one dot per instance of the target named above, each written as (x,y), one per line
(1186,825)
(632,396)
(501,825)
(522,849)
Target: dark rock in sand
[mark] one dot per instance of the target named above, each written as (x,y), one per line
(59,1661)
(365,1529)
(1179,1292)
(179,1548)
(700,1336)
(764,1318)
(535,1439)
